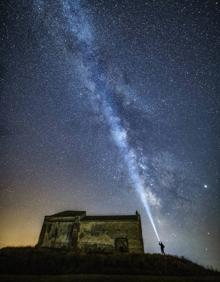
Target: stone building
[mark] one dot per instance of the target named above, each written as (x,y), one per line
(92,234)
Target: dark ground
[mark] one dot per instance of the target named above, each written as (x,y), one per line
(50,265)
(101,278)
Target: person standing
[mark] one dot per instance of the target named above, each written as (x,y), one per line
(162,247)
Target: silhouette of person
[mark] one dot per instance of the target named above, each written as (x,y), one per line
(162,247)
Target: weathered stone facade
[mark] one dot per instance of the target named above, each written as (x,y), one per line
(92,234)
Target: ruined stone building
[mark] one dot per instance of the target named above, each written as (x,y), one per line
(92,234)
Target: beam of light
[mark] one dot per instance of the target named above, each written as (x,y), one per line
(120,138)
(95,78)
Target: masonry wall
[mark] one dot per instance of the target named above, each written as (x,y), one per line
(92,235)
(59,233)
(104,236)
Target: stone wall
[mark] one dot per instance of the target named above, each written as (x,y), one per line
(93,234)
(59,233)
(110,236)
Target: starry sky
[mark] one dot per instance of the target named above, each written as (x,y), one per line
(112,107)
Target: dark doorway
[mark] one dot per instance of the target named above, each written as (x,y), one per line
(121,245)
(73,235)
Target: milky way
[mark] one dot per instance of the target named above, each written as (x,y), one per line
(97,78)
(112,107)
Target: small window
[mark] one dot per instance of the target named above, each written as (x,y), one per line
(121,245)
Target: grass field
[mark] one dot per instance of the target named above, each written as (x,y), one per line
(47,265)
(102,278)
(33,261)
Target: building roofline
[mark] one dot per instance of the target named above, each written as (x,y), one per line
(109,217)
(84,217)
(68,213)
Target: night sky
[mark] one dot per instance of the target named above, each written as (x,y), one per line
(112,107)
